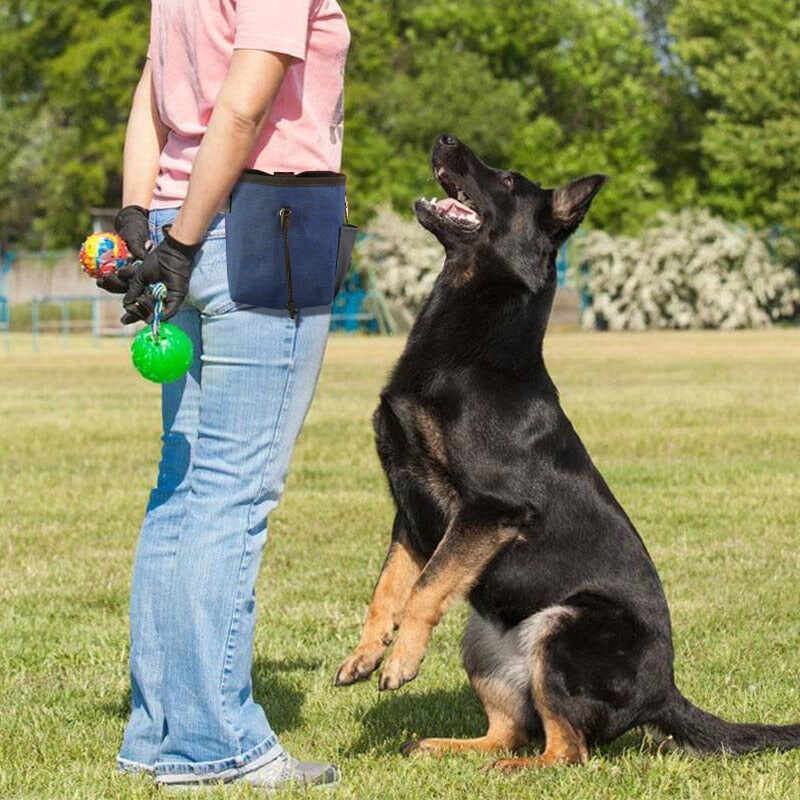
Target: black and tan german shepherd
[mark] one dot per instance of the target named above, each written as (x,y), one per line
(498,501)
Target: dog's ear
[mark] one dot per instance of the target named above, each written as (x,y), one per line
(569,204)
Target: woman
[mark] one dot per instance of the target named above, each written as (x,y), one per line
(227,85)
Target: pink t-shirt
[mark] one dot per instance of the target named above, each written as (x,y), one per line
(191,45)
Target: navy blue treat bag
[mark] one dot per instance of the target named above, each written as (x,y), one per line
(287,242)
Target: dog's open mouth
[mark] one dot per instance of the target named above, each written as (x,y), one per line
(457,208)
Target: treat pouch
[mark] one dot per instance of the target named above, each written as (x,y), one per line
(288,245)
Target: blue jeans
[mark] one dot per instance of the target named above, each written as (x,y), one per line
(229,430)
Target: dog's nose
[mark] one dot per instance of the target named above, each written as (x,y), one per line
(447,140)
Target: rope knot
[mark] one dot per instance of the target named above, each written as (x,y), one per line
(159,291)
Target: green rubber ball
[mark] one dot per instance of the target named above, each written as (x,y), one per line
(164,360)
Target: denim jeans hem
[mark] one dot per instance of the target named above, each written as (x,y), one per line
(126,765)
(225,769)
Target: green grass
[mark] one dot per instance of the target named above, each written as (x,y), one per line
(697,434)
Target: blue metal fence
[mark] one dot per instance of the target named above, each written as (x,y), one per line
(355,309)
(350,312)
(7,258)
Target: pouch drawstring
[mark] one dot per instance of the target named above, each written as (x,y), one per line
(285,213)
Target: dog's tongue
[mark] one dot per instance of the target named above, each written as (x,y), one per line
(453,208)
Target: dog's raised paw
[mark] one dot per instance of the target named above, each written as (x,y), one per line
(395,675)
(357,667)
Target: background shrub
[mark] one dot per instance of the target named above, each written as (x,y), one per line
(688,270)
(404,259)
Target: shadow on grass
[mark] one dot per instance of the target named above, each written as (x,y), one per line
(391,719)
(287,664)
(281,700)
(631,742)
(118,710)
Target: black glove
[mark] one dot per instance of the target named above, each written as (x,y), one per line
(131,223)
(171,264)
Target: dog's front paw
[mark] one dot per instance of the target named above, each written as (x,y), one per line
(358,666)
(396,673)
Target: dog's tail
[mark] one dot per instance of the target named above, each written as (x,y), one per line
(690,726)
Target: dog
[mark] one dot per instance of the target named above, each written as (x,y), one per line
(498,501)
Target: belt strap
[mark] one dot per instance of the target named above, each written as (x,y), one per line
(285,214)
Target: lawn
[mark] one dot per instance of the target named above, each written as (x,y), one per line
(698,435)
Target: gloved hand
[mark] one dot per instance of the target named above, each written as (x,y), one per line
(131,223)
(171,264)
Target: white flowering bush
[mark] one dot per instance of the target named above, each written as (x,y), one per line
(404,260)
(689,270)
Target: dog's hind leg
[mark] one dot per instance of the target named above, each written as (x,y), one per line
(564,744)
(499,673)
(596,671)
(505,730)
(400,570)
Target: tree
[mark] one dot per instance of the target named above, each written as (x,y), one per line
(655,15)
(68,75)
(745,58)
(551,89)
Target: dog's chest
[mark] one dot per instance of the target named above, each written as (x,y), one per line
(412,445)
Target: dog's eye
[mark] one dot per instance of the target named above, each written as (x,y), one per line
(508,181)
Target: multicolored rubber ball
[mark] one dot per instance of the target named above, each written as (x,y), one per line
(103,253)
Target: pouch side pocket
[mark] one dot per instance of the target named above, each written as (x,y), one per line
(344,255)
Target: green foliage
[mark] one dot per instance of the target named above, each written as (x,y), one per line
(745,58)
(681,102)
(64,95)
(551,89)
